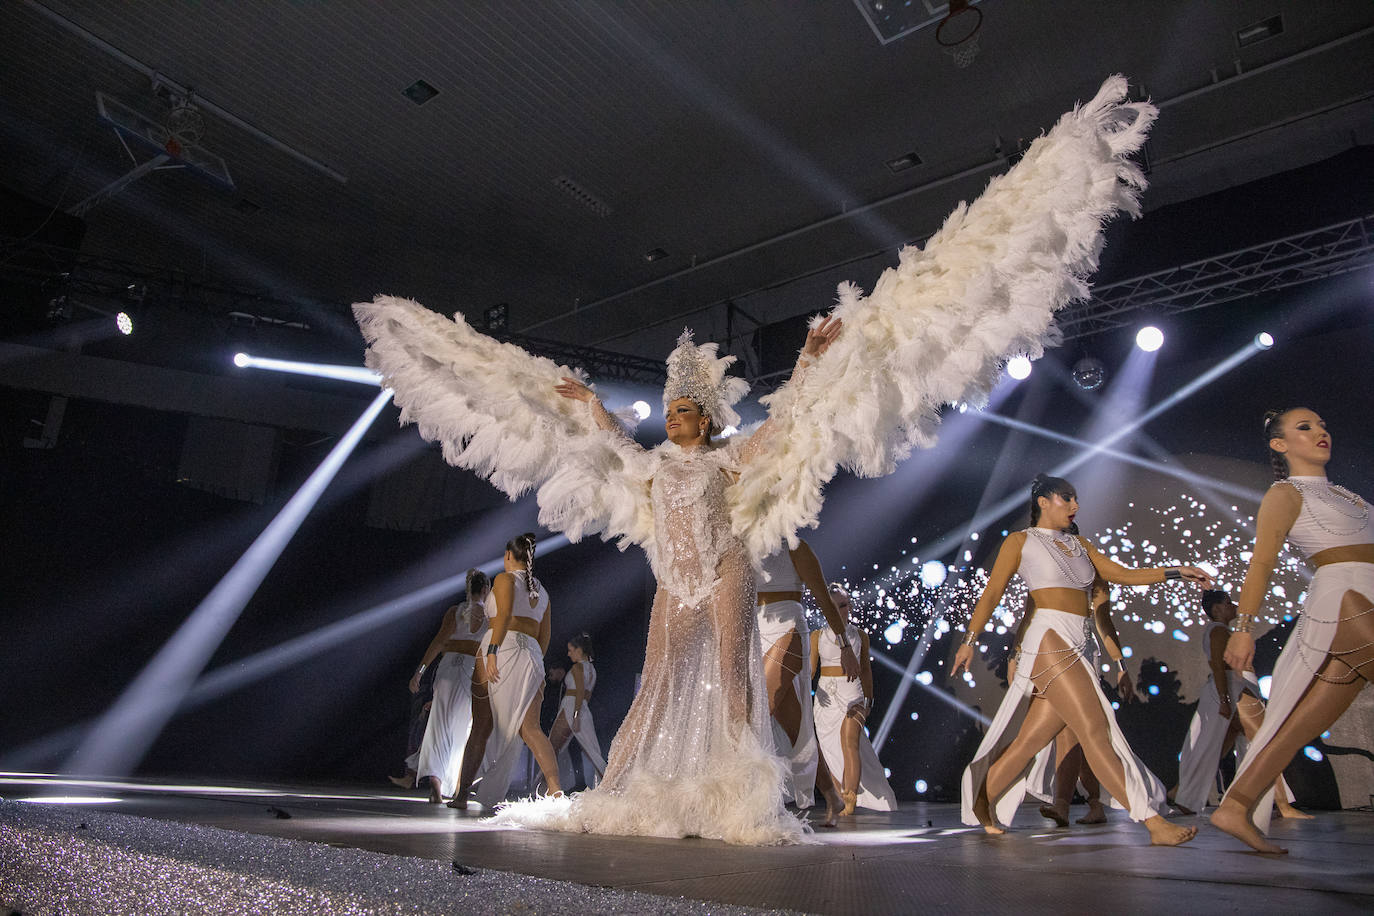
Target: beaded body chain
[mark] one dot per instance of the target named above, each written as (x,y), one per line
(1336,498)
(1062,551)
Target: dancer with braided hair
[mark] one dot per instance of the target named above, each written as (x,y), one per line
(693,756)
(1055,683)
(1329,656)
(508,682)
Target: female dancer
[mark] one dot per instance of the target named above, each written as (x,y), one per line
(508,682)
(1228,706)
(788,652)
(450,712)
(842,706)
(575,717)
(1330,655)
(1055,683)
(692,756)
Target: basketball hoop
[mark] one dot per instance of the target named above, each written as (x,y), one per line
(962,41)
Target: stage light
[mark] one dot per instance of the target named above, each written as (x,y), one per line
(642,409)
(933,574)
(1264,340)
(921,786)
(1089,373)
(1149,338)
(319,370)
(1019,367)
(126,731)
(125,323)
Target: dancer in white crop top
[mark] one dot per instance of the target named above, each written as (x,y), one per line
(1055,684)
(1329,657)
(508,683)
(574,720)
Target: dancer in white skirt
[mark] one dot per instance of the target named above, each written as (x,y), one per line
(693,756)
(1228,707)
(1329,657)
(510,678)
(842,705)
(1055,684)
(440,758)
(575,716)
(787,652)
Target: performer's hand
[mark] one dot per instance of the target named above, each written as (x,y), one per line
(849,662)
(1126,687)
(572,388)
(819,338)
(493,673)
(962,659)
(1240,651)
(1197,576)
(415,683)
(1224,707)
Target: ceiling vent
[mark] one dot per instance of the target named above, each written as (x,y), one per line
(583,196)
(903,162)
(1259,31)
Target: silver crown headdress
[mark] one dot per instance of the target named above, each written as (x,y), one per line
(696,372)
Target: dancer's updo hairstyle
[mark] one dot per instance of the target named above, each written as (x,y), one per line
(478,583)
(1213,597)
(1045,485)
(583,641)
(522,548)
(1273,429)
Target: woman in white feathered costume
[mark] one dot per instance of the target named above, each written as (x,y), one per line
(692,757)
(1329,657)
(841,706)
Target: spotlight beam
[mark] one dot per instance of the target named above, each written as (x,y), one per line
(123,735)
(320,370)
(938,694)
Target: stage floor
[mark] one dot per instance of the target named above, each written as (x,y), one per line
(917,859)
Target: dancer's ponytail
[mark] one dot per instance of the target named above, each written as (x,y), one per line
(478,584)
(522,548)
(1273,429)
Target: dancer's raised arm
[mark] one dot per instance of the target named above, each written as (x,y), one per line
(1277,512)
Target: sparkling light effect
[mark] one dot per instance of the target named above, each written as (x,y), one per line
(933,574)
(1311,753)
(1019,367)
(1149,338)
(642,409)
(125,322)
(1264,683)
(921,786)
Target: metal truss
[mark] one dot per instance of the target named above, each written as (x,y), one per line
(1301,258)
(63,271)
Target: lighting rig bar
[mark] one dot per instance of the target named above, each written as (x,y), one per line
(1296,259)
(52,266)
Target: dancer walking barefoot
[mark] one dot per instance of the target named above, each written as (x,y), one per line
(842,705)
(788,652)
(1329,656)
(510,672)
(692,757)
(1228,707)
(574,720)
(450,713)
(1055,683)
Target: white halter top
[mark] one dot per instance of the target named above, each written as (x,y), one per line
(588,678)
(1331,516)
(520,605)
(1054,559)
(828,646)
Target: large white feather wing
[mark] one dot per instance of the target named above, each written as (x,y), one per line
(492,407)
(938,326)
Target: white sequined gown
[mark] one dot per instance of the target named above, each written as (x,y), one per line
(694,754)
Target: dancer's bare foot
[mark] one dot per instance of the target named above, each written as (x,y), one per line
(1097,814)
(1057,812)
(851,801)
(1163,833)
(983,812)
(1286,810)
(459,802)
(435,796)
(1233,818)
(402,782)
(833,806)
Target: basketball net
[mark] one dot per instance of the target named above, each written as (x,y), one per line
(961,50)
(964,52)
